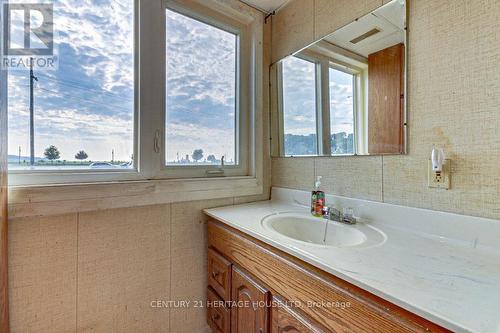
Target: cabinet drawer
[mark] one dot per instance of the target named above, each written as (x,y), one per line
(219,274)
(218,316)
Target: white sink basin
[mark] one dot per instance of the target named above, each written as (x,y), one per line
(305,228)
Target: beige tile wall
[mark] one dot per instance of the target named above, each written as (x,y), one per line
(189,269)
(43,274)
(337,176)
(99,271)
(330,15)
(292,28)
(302,22)
(293,172)
(123,264)
(358,177)
(453,102)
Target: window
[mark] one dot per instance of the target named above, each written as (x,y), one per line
(164,90)
(299,107)
(318,106)
(341,86)
(80,110)
(206,114)
(201,106)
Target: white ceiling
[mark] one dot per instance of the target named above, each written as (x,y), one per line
(266,5)
(389,19)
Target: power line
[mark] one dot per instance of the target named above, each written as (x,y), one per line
(77,85)
(73,97)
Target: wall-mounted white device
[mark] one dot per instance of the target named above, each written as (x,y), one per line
(437,158)
(439,170)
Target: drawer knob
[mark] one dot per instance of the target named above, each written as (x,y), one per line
(215,274)
(215,317)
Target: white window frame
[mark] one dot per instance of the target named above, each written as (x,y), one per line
(323,130)
(54,176)
(318,105)
(231,24)
(357,110)
(149,111)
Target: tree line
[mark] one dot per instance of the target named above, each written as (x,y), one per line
(52,153)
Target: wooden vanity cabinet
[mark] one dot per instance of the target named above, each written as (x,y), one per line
(285,294)
(252,313)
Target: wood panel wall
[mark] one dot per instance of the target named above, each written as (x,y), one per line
(386,100)
(4,308)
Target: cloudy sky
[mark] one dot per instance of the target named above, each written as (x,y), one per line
(201,85)
(87,103)
(341,102)
(299,98)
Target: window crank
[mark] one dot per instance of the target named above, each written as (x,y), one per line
(219,171)
(157,141)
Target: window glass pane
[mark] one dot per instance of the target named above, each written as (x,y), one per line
(83,106)
(341,112)
(201,110)
(299,107)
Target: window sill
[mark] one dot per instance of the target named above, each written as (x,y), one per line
(25,201)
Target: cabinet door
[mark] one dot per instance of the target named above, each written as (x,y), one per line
(287,320)
(250,312)
(386,100)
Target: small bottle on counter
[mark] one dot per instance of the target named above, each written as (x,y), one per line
(317,199)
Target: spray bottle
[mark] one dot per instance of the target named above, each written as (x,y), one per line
(317,199)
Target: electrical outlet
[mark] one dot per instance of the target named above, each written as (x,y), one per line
(439,179)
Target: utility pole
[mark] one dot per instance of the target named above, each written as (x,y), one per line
(112,155)
(33,78)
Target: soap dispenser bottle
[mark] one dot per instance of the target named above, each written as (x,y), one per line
(317,199)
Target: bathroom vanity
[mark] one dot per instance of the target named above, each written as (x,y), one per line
(381,277)
(288,295)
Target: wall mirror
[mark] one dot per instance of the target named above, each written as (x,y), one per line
(344,94)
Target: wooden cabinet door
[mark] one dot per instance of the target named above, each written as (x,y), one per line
(287,320)
(386,100)
(249,312)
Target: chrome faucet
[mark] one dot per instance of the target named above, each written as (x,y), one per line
(333,214)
